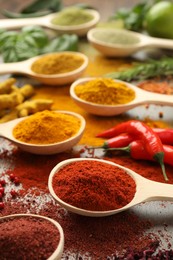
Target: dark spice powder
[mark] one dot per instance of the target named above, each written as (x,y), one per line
(27,238)
(98,238)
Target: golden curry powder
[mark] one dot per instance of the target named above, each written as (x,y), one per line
(47,127)
(57,63)
(105,91)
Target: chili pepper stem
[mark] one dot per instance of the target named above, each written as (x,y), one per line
(95,147)
(164,172)
(126,149)
(159,158)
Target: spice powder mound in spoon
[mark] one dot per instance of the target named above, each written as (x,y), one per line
(72,16)
(105,92)
(47,127)
(57,63)
(94,185)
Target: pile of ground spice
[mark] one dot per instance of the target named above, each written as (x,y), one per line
(94,185)
(126,235)
(27,237)
(98,91)
(47,127)
(57,63)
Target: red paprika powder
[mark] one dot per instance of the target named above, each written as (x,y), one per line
(126,235)
(94,185)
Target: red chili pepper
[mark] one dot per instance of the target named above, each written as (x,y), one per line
(117,141)
(125,139)
(138,152)
(166,135)
(140,131)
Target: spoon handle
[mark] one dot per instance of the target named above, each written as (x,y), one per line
(161,43)
(15,67)
(160,99)
(158,191)
(5,130)
(20,22)
(146,97)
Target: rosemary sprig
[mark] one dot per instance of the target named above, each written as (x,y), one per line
(150,69)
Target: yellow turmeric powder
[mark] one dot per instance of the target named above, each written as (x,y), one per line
(57,63)
(105,91)
(47,127)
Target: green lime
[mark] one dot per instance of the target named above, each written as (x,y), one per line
(159,20)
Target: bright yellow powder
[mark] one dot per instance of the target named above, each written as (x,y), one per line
(46,127)
(57,63)
(105,91)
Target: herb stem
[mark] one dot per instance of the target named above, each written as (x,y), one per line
(150,69)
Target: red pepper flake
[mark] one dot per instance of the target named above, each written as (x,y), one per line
(161,87)
(16,180)
(2,205)
(13,193)
(12,176)
(1,195)
(2,190)
(2,182)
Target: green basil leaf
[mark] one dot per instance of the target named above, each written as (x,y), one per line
(7,38)
(37,33)
(9,55)
(2,31)
(83,6)
(32,41)
(62,43)
(38,5)
(13,15)
(134,17)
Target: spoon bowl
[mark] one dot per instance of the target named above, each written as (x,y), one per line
(123,43)
(142,97)
(56,255)
(46,21)
(146,190)
(6,131)
(24,67)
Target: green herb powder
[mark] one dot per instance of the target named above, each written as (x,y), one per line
(72,16)
(115,37)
